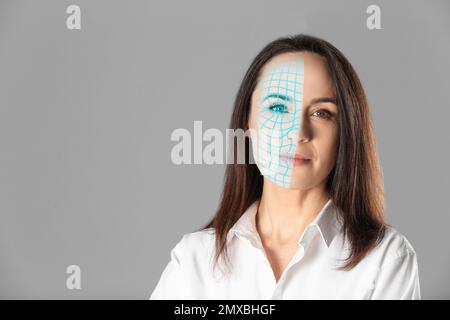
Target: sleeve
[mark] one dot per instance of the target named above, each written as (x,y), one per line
(170,284)
(398,279)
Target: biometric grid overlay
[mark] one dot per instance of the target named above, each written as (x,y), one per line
(279,119)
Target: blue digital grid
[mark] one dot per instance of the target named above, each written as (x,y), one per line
(284,123)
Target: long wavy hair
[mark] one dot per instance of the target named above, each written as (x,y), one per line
(355,184)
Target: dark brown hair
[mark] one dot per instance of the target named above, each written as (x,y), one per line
(355,183)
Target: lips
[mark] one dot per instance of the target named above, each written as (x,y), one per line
(295,157)
(295,160)
(300,157)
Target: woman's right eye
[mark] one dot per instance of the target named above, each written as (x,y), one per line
(278,108)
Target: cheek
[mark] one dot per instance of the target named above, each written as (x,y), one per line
(327,146)
(275,131)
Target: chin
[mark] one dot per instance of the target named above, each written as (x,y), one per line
(297,184)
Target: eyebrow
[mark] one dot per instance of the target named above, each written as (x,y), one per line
(279,96)
(323,99)
(313,101)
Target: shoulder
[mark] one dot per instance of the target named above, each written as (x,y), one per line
(185,273)
(394,245)
(196,244)
(397,274)
(198,238)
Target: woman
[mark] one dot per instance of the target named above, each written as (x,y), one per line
(307,221)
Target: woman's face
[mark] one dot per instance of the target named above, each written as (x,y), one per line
(293,113)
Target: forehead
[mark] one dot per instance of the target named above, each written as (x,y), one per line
(306,67)
(284,62)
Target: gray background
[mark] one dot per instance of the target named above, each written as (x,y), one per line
(86,117)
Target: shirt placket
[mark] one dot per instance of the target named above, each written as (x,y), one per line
(304,241)
(277,292)
(256,245)
(276,287)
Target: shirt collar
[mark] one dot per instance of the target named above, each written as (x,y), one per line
(326,222)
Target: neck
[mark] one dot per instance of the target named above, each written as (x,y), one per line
(284,213)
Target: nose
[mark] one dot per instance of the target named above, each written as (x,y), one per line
(300,136)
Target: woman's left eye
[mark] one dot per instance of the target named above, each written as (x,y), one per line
(278,108)
(326,114)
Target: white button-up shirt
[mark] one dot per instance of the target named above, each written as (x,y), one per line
(389,271)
